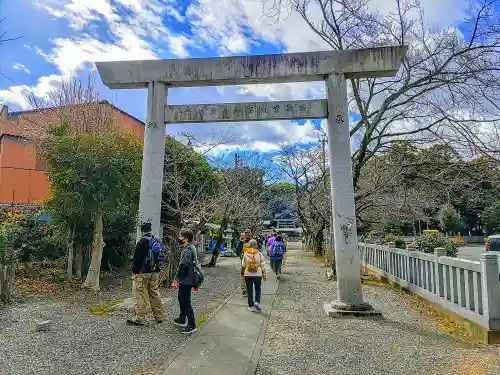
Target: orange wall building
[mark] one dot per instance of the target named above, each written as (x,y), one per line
(22,172)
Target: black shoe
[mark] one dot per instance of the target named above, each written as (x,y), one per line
(189,330)
(180,323)
(135,322)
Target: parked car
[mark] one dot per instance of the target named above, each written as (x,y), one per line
(493,243)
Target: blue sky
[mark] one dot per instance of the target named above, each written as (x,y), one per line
(62,38)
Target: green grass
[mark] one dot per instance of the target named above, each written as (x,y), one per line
(105,308)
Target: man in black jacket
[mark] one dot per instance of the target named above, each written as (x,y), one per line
(146,281)
(184,280)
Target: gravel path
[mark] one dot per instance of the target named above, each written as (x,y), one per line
(80,343)
(302,340)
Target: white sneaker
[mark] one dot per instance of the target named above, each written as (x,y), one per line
(257,306)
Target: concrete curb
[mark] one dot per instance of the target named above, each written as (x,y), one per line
(172,356)
(254,362)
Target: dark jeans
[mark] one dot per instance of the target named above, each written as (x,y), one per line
(252,281)
(276,265)
(185,304)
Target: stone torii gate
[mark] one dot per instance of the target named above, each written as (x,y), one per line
(334,67)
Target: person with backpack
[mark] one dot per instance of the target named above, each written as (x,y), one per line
(188,276)
(253,270)
(149,256)
(242,247)
(270,243)
(276,253)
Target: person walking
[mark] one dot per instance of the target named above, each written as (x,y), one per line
(270,243)
(242,247)
(253,270)
(184,281)
(145,276)
(276,254)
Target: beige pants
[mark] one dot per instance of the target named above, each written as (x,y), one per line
(146,286)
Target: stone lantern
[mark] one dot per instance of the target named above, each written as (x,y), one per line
(227,238)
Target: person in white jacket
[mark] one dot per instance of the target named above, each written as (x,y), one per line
(253,270)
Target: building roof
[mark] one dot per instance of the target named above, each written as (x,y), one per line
(17,114)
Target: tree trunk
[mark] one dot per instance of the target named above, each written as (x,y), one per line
(6,281)
(215,253)
(4,292)
(92,280)
(69,246)
(318,248)
(78,260)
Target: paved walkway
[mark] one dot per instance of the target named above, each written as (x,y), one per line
(229,343)
(293,336)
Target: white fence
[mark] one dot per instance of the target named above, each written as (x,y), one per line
(467,288)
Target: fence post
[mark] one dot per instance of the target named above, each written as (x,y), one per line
(491,289)
(390,270)
(408,263)
(438,271)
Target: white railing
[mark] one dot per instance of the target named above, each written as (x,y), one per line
(467,288)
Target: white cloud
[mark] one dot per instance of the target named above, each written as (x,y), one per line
(219,22)
(285,91)
(80,12)
(69,55)
(262,136)
(16,95)
(228,26)
(220,25)
(21,67)
(178,44)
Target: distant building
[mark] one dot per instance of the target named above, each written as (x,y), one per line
(22,172)
(286,226)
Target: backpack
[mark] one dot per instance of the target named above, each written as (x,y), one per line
(252,265)
(278,250)
(197,274)
(157,254)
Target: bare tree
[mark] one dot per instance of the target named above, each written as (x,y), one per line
(448,86)
(75,105)
(238,202)
(3,35)
(306,169)
(409,184)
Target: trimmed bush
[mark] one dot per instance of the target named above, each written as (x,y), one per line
(427,242)
(400,243)
(38,241)
(390,238)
